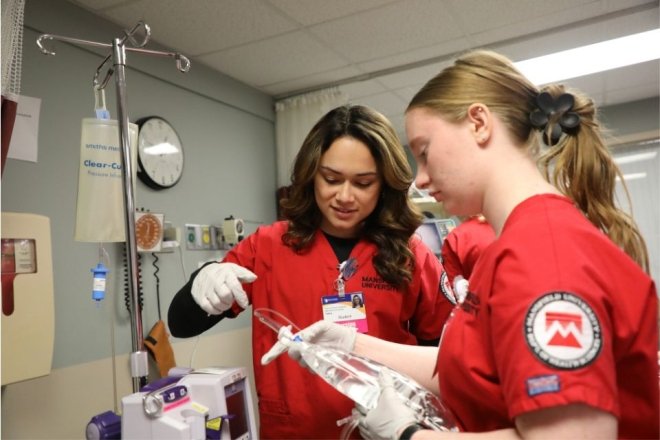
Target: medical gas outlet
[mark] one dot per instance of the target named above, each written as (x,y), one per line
(233,230)
(214,237)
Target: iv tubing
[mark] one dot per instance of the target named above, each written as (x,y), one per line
(272,323)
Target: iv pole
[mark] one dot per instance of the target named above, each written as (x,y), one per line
(139,359)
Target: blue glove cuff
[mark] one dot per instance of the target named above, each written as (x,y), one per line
(410,430)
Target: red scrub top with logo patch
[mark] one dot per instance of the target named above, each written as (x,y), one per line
(556,314)
(463,246)
(293,403)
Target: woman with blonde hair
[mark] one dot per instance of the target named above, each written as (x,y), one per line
(557,335)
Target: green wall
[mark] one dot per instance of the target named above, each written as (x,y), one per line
(227,129)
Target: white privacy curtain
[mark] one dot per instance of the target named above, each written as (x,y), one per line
(294,118)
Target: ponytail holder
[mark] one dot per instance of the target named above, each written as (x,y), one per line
(559,109)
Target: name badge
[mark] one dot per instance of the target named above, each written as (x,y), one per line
(348,310)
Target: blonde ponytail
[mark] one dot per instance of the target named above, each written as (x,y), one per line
(581,167)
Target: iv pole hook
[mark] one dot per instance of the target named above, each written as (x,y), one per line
(132,33)
(130,36)
(182,62)
(98,85)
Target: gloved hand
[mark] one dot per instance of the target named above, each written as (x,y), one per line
(461,287)
(325,333)
(218,285)
(390,416)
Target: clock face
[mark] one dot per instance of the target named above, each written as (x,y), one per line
(148,231)
(160,153)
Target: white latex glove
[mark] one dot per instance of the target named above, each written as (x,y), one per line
(218,285)
(325,333)
(461,287)
(390,416)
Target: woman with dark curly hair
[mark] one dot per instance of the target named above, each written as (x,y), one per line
(348,228)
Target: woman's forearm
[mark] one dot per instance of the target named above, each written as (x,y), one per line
(415,361)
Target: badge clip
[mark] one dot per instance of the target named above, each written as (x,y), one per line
(340,286)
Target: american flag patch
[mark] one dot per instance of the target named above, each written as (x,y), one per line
(542,384)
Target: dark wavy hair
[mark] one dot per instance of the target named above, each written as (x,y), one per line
(395,218)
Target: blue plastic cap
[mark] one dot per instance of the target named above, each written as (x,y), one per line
(100,269)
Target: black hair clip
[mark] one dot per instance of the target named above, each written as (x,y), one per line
(547,107)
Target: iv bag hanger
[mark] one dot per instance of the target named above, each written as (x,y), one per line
(182,63)
(139,358)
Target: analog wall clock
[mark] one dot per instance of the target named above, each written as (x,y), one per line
(160,153)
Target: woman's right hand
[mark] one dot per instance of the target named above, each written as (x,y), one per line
(218,285)
(324,333)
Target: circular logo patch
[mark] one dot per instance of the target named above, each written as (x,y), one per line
(446,289)
(563,331)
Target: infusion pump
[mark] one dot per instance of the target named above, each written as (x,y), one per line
(208,403)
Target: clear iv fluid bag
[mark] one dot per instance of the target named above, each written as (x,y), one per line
(357,378)
(347,374)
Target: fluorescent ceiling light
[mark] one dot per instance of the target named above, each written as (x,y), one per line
(630,158)
(598,57)
(632,176)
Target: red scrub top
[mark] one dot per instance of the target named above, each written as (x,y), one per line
(556,314)
(463,246)
(293,403)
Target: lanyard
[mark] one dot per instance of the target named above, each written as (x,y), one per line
(346,270)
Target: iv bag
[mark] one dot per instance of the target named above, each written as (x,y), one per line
(357,377)
(100,211)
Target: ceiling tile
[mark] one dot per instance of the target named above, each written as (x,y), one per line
(617,5)
(591,85)
(277,59)
(570,37)
(312,12)
(297,85)
(410,77)
(391,30)
(420,56)
(648,72)
(288,46)
(387,103)
(632,82)
(477,16)
(204,26)
(97,5)
(632,93)
(360,89)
